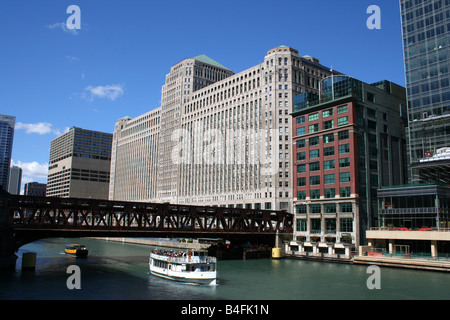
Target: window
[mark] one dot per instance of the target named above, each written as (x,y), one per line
(344,162)
(330,193)
(342,121)
(301,195)
(329,208)
(328,151)
(344,148)
(314,180)
(345,192)
(346,224)
(327,113)
(301,168)
(344,177)
(301,131)
(342,109)
(315,194)
(329,178)
(301,156)
(327,165)
(300,143)
(327,138)
(301,182)
(313,154)
(313,141)
(300,120)
(301,224)
(330,226)
(301,208)
(314,116)
(313,128)
(342,135)
(316,226)
(315,208)
(328,124)
(315,166)
(345,207)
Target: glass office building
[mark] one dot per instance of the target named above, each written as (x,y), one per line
(426,43)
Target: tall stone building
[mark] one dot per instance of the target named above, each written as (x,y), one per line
(221,138)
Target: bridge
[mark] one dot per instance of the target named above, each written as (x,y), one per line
(27,218)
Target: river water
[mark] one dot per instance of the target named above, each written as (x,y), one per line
(120,271)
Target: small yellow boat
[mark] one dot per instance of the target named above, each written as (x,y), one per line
(76,249)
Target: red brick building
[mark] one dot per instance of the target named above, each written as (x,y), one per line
(346,144)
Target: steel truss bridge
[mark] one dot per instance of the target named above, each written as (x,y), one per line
(34,218)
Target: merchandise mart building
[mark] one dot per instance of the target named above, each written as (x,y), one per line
(218,138)
(348,141)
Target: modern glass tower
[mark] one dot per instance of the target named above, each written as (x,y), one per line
(6,141)
(426,43)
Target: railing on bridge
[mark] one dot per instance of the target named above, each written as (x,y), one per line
(95,215)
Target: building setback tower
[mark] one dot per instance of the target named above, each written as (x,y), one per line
(79,165)
(425,26)
(183,80)
(348,142)
(222,139)
(6,142)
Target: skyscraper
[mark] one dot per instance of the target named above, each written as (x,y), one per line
(79,164)
(15,180)
(426,43)
(6,142)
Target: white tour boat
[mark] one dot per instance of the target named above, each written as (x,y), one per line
(192,266)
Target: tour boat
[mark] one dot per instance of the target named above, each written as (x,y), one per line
(189,265)
(77,250)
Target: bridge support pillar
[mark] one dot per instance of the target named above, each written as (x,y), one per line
(7,247)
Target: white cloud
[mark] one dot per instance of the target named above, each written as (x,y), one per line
(72,59)
(39,128)
(63,27)
(110,91)
(32,169)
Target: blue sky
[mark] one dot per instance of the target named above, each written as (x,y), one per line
(52,78)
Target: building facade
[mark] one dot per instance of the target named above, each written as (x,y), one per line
(224,138)
(134,158)
(15,180)
(79,165)
(425,26)
(35,189)
(6,142)
(348,141)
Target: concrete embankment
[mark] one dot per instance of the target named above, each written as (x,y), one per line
(404,263)
(158,242)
